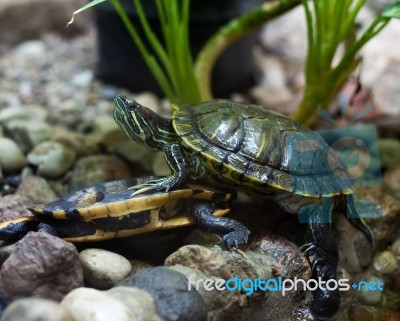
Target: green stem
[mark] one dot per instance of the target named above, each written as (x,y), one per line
(231,32)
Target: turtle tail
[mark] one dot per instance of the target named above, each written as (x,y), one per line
(368,210)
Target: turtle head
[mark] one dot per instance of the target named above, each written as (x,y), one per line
(141,124)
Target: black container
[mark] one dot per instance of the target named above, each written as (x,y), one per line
(120,62)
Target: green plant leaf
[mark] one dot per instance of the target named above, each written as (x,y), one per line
(392,11)
(87,6)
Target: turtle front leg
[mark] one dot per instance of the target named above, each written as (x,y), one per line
(321,250)
(233,233)
(179,169)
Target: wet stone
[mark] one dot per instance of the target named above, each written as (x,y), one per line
(52,159)
(370,297)
(96,169)
(221,305)
(86,304)
(385,263)
(102,269)
(41,265)
(13,206)
(37,190)
(200,258)
(27,133)
(11,157)
(140,302)
(170,292)
(34,309)
(395,248)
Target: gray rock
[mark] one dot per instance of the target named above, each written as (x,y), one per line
(34,309)
(76,141)
(82,79)
(32,49)
(27,133)
(148,100)
(102,269)
(170,292)
(86,304)
(98,168)
(11,157)
(43,266)
(52,159)
(221,305)
(37,190)
(140,302)
(13,206)
(385,263)
(138,265)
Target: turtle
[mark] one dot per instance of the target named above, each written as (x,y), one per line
(108,210)
(257,151)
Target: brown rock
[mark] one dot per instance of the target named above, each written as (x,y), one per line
(43,266)
(13,206)
(200,258)
(37,190)
(390,316)
(96,169)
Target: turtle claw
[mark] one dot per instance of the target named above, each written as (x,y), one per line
(153,185)
(235,238)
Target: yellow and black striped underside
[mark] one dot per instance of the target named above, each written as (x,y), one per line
(249,146)
(109,210)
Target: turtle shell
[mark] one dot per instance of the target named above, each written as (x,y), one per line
(109,210)
(253,147)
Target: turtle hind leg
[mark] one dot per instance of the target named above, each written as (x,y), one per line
(233,233)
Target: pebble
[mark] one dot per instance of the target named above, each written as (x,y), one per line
(36,309)
(102,269)
(391,179)
(96,169)
(395,248)
(82,79)
(11,157)
(33,49)
(86,304)
(367,296)
(140,302)
(13,206)
(200,258)
(41,265)
(28,133)
(386,263)
(28,112)
(37,189)
(52,159)
(149,100)
(170,291)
